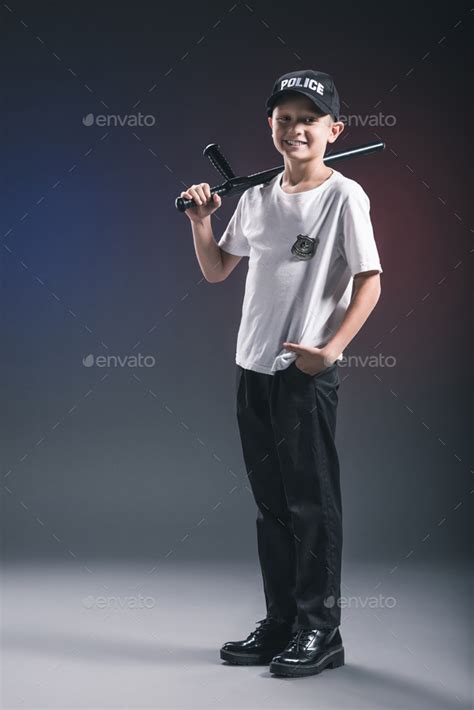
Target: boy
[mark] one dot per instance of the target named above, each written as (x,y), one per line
(313,279)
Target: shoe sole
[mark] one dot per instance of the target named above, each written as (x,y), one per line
(246,659)
(333,659)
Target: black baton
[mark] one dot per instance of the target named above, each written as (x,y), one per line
(237,185)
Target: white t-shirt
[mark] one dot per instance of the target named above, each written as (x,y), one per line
(286,298)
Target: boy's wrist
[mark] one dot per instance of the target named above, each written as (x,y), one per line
(330,354)
(202,222)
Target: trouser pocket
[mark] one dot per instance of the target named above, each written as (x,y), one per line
(324,372)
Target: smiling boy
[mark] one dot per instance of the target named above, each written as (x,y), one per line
(313,279)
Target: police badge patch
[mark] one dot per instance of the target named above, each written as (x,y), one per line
(305,247)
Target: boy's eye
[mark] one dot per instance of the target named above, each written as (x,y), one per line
(308,118)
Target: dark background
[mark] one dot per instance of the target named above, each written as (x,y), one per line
(122,462)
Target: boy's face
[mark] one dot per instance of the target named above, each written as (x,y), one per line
(298,119)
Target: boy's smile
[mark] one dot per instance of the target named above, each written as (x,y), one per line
(295,144)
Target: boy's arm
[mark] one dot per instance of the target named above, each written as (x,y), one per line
(216,264)
(360,251)
(365,294)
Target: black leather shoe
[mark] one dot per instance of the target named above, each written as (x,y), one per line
(271,636)
(309,652)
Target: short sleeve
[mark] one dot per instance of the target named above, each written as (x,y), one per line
(234,240)
(358,241)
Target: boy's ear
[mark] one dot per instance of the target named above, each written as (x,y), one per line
(337,128)
(270,121)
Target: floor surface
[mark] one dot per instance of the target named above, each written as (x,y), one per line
(138,636)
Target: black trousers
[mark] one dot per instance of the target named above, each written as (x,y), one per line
(287,425)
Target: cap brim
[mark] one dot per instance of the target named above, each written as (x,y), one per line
(320,104)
